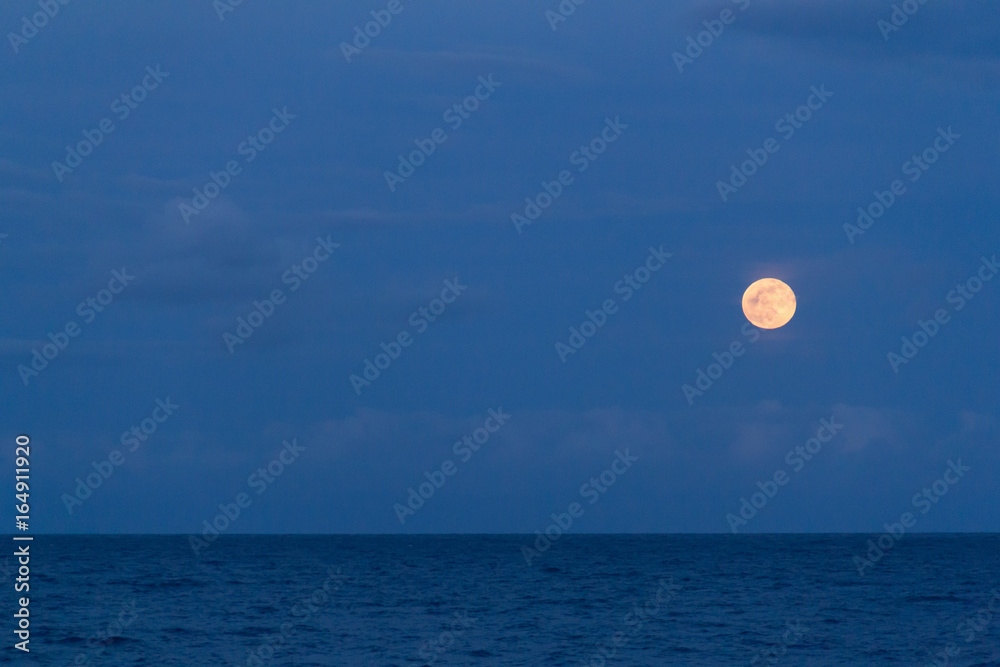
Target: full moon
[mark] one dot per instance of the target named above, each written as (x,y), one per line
(769,303)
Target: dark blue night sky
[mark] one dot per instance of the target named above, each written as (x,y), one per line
(480,255)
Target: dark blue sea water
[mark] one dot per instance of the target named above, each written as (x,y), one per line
(459,600)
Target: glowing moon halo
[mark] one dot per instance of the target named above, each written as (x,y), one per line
(769,303)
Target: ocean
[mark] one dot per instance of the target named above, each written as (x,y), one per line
(475,600)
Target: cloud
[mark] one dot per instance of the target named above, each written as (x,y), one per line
(449,60)
(960,29)
(221,254)
(14,169)
(869,426)
(152,185)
